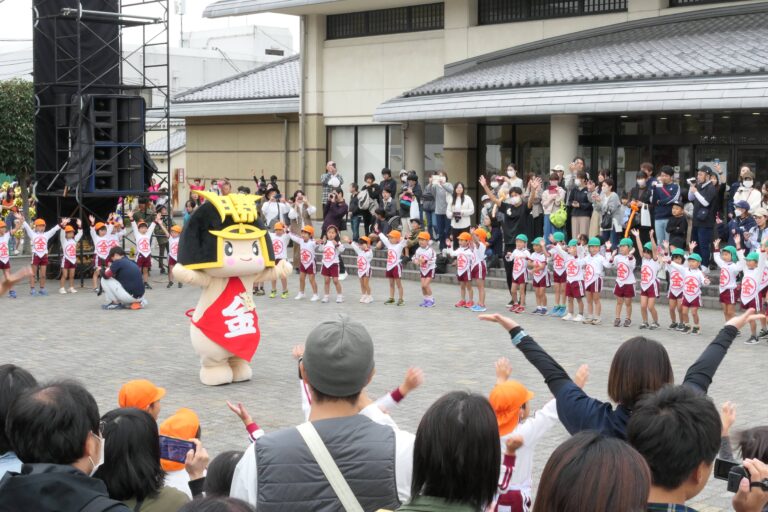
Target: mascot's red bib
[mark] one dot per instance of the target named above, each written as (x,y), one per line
(231,321)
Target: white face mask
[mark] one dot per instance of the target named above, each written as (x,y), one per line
(494,184)
(577,182)
(640,183)
(403,178)
(511,173)
(739,212)
(96,465)
(515,200)
(748,183)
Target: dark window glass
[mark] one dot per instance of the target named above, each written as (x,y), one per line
(506,11)
(385,21)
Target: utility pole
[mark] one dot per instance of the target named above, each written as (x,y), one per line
(180,6)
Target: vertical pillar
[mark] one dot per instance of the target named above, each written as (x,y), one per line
(460,153)
(315,139)
(413,139)
(563,139)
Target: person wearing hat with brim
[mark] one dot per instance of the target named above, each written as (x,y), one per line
(727,260)
(676,274)
(479,270)
(559,277)
(425,259)
(143,234)
(39,238)
(649,283)
(703,194)
(100,238)
(464,255)
(519,263)
(174,236)
(750,294)
(364,258)
(141,394)
(540,279)
(741,223)
(5,254)
(693,282)
(574,286)
(394,243)
(594,270)
(759,233)
(664,193)
(375,460)
(307,245)
(624,262)
(280,240)
(69,237)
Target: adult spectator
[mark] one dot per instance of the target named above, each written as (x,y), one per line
(591,471)
(387,182)
(759,233)
(736,185)
(428,211)
(410,194)
(217,504)
(196,185)
(335,211)
(141,394)
(355,214)
(535,220)
(145,212)
(746,190)
(369,199)
(560,171)
(153,187)
(122,282)
(677,431)
(375,460)
(512,179)
(552,198)
(189,208)
(300,215)
(741,223)
(456,456)
(576,166)
(131,469)
(225,187)
(460,209)
(639,366)
(274,207)
(594,220)
(442,190)
(55,431)
(702,194)
(608,204)
(640,199)
(218,480)
(160,235)
(664,193)
(14,380)
(330,180)
(581,208)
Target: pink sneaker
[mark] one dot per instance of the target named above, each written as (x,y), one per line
(469,304)
(460,304)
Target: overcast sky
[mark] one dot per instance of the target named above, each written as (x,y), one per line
(16,22)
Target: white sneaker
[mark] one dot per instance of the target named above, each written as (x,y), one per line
(362,299)
(72,290)
(325,299)
(368,299)
(578,318)
(567,317)
(342,276)
(62,291)
(339,299)
(299,296)
(314,298)
(587,320)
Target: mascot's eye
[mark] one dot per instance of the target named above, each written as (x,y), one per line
(255,248)
(228,250)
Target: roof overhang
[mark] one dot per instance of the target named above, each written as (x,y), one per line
(236,108)
(711,93)
(223,8)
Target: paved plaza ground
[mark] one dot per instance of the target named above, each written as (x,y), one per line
(70,336)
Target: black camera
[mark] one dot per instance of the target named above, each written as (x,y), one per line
(731,471)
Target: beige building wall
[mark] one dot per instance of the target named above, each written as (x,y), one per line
(179,194)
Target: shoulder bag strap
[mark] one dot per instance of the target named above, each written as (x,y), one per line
(329,467)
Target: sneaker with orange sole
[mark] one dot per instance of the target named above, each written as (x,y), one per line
(136,305)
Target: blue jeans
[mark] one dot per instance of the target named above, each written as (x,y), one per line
(703,239)
(612,235)
(660,230)
(356,220)
(442,228)
(429,226)
(549,229)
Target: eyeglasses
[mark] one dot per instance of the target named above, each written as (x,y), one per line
(100,435)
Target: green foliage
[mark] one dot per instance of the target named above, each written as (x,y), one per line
(17,135)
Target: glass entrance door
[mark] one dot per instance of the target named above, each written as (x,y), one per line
(756,157)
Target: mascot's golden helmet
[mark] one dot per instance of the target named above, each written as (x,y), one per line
(233,217)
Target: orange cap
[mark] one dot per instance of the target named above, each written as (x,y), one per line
(308,229)
(176,228)
(424,236)
(184,424)
(141,223)
(394,234)
(69,229)
(39,222)
(506,399)
(2,224)
(140,394)
(279,225)
(481,234)
(99,225)
(365,239)
(465,236)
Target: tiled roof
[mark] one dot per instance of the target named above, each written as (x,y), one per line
(178,141)
(693,45)
(279,79)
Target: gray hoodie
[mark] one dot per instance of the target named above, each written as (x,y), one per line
(441,192)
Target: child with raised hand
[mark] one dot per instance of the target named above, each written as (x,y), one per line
(649,282)
(753,267)
(594,270)
(364,258)
(280,241)
(559,278)
(574,286)
(395,244)
(519,258)
(693,280)
(729,271)
(624,290)
(307,247)
(5,254)
(479,268)
(676,278)
(116,230)
(143,234)
(39,238)
(540,280)
(100,238)
(69,240)
(173,250)
(464,255)
(424,257)
(330,271)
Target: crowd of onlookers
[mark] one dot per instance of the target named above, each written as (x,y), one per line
(652,447)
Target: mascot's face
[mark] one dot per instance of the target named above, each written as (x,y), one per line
(241,257)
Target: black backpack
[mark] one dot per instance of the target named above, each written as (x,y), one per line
(441,264)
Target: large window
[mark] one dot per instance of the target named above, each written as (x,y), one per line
(525,145)
(361,149)
(681,3)
(385,21)
(507,11)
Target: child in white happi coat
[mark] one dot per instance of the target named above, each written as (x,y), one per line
(39,238)
(753,268)
(574,272)
(649,281)
(537,264)
(307,247)
(729,272)
(280,241)
(116,230)
(395,244)
(693,281)
(5,253)
(101,246)
(519,258)
(676,278)
(595,264)
(464,256)
(425,259)
(479,268)
(143,234)
(330,264)
(69,238)
(624,290)
(364,258)
(174,236)
(559,278)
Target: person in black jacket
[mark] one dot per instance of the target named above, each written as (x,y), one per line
(580,206)
(640,197)
(55,430)
(374,193)
(677,227)
(703,194)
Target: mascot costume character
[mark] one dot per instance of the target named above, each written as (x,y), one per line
(224,249)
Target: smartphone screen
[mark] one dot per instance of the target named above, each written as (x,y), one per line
(723,467)
(175,449)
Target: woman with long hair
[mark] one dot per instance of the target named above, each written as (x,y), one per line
(460,210)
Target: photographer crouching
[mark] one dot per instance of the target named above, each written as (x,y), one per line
(121,282)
